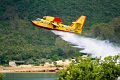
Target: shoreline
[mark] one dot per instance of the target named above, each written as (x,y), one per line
(31,72)
(33,69)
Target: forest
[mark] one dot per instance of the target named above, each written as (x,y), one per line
(20,40)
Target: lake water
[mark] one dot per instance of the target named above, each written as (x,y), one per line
(30,76)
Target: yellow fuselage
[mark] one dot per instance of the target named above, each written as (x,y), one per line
(50,23)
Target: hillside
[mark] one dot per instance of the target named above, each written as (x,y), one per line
(106,31)
(96,11)
(20,40)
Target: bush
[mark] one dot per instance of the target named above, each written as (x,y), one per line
(1,77)
(87,69)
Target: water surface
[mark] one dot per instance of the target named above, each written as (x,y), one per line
(30,76)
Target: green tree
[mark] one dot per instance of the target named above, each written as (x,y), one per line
(88,69)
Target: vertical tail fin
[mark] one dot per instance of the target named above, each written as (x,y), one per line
(78,24)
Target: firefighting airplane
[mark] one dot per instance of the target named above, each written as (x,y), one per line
(55,23)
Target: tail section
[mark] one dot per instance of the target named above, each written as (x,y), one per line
(78,24)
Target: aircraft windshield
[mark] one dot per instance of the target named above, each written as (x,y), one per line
(38,19)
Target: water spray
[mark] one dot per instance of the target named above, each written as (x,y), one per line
(98,48)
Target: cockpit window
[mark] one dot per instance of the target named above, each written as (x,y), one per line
(44,17)
(38,19)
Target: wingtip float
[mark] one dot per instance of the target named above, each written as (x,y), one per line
(55,23)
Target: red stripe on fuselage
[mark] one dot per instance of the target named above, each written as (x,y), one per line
(47,27)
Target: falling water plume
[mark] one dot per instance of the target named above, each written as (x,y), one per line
(92,46)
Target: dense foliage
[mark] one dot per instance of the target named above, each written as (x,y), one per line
(19,40)
(107,31)
(96,11)
(87,69)
(1,76)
